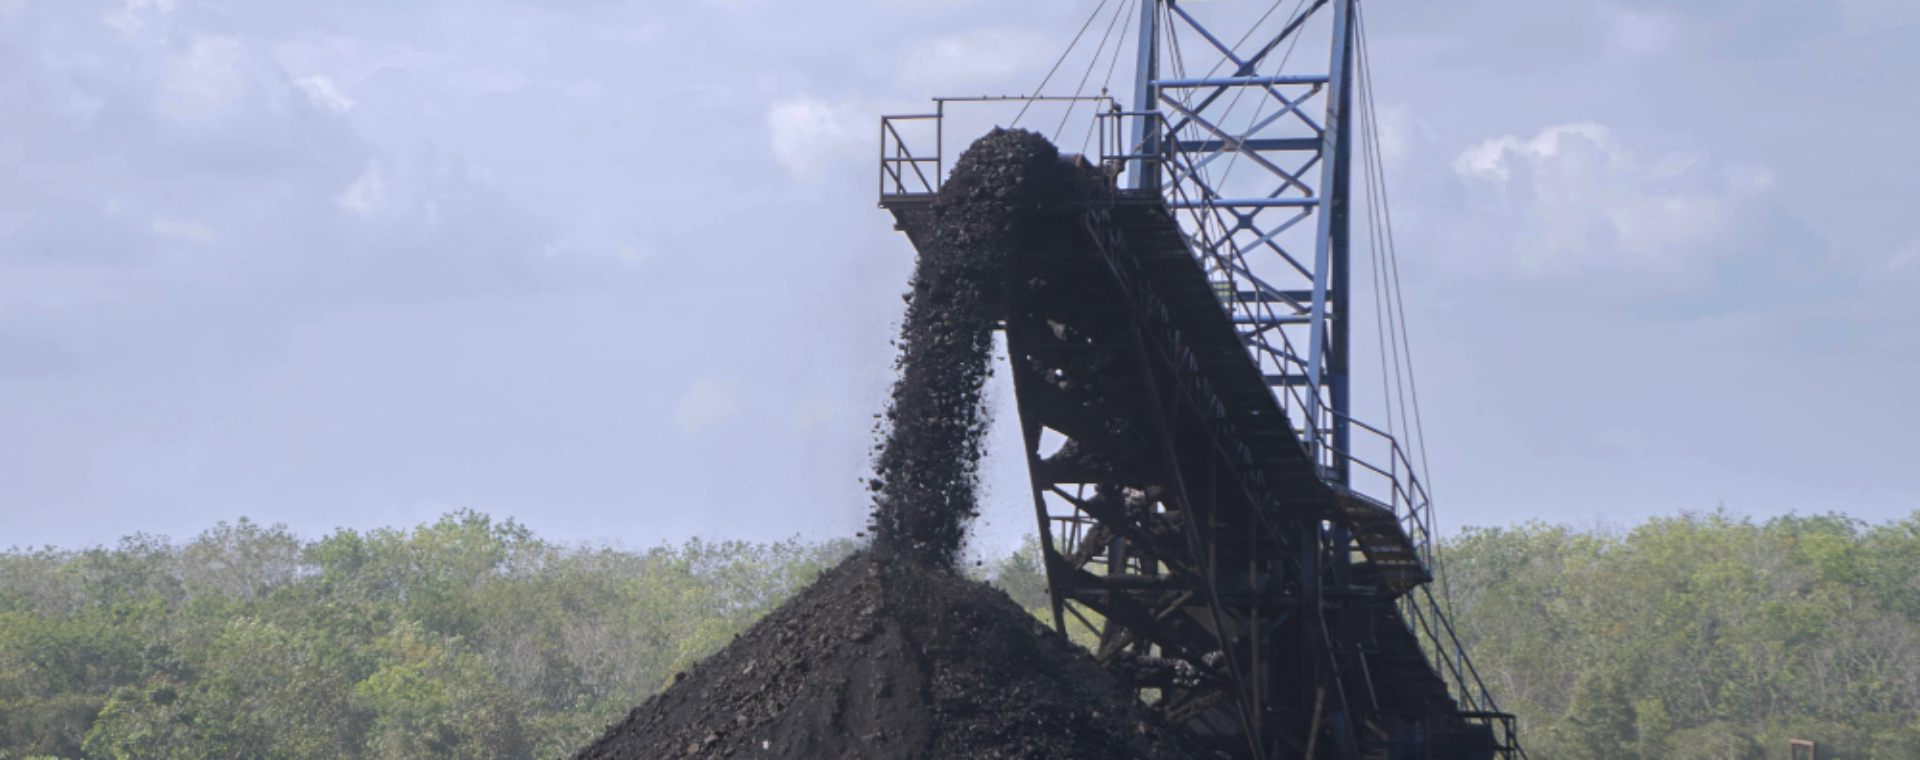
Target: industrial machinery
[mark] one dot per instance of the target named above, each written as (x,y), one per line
(1250,554)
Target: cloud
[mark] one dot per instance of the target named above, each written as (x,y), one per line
(809,134)
(412,234)
(321,91)
(706,403)
(348,62)
(206,79)
(1904,264)
(367,194)
(1574,198)
(1398,131)
(129,18)
(974,58)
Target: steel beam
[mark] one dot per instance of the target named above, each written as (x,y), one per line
(1243,81)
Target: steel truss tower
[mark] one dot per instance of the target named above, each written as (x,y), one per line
(1249,554)
(1250,113)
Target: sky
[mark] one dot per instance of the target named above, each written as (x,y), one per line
(615,269)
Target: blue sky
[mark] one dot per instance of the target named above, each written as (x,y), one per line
(614,269)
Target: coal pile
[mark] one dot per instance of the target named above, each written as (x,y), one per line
(892,654)
(882,660)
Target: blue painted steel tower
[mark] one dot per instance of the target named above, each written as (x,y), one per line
(1258,154)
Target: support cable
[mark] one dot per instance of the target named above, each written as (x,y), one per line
(1112,66)
(1452,652)
(1393,259)
(1374,171)
(1375,271)
(1056,64)
(1393,254)
(1093,64)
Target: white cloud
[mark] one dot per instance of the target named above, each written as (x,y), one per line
(348,63)
(128,19)
(324,95)
(1397,131)
(367,194)
(810,134)
(1749,179)
(1904,264)
(706,403)
(205,79)
(1573,198)
(974,58)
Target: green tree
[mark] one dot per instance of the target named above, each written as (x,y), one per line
(1697,636)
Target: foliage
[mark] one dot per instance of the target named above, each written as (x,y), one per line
(462,638)
(1699,636)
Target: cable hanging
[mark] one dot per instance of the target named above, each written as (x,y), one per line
(1093,64)
(1091,17)
(1112,65)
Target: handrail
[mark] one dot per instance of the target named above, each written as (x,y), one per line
(901,170)
(915,171)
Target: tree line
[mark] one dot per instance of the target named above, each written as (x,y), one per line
(463,638)
(1699,636)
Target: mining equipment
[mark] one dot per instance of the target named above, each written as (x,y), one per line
(1252,557)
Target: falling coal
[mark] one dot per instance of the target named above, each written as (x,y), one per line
(926,474)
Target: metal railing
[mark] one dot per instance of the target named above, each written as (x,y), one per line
(903,171)
(913,146)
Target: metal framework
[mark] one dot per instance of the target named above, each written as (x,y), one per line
(1276,285)
(1248,553)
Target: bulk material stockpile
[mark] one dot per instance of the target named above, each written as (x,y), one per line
(893,654)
